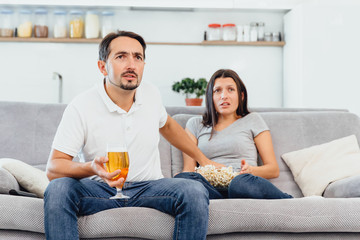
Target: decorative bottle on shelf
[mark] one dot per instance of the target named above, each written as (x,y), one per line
(253,32)
(261,31)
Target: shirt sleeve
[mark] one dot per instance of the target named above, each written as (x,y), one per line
(258,124)
(70,135)
(193,125)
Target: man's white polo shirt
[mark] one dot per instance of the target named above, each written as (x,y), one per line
(92,120)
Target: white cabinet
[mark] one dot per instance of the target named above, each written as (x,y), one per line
(321,55)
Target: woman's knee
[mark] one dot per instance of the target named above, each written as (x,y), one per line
(244,186)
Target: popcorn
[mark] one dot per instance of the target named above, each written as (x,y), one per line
(217,177)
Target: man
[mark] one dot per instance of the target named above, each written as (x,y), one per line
(120,107)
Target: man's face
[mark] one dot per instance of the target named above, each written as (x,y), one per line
(125,65)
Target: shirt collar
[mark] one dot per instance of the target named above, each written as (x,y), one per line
(111,106)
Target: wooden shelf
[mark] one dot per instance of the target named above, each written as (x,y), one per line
(97,40)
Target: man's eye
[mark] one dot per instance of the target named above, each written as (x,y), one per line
(120,56)
(139,58)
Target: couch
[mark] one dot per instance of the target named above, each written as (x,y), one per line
(27,130)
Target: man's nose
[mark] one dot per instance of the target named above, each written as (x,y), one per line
(131,63)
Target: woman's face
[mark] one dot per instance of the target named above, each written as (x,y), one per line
(225,96)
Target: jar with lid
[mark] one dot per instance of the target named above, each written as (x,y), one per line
(229,32)
(24,28)
(59,24)
(92,24)
(214,32)
(268,36)
(253,32)
(261,31)
(276,36)
(107,23)
(7,23)
(76,25)
(41,29)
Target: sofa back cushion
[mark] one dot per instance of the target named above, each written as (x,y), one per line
(27,130)
(292,131)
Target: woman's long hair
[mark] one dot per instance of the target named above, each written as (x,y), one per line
(210,117)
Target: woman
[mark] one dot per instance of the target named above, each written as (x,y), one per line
(229,134)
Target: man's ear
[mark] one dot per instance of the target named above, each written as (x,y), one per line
(102,67)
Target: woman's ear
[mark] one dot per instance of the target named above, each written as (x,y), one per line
(102,67)
(242,96)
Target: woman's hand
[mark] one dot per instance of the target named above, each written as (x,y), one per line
(245,167)
(98,167)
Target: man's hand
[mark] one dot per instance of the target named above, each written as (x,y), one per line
(98,167)
(216,164)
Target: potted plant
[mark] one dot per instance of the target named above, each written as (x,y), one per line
(191,87)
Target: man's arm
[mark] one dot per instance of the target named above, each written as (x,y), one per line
(61,165)
(177,136)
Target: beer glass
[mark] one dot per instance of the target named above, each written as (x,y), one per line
(118,159)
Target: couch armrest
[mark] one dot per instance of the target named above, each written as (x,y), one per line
(7,181)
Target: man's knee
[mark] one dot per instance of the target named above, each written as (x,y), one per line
(60,188)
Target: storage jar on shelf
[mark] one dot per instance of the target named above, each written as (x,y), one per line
(214,32)
(60,24)
(229,32)
(92,24)
(107,23)
(41,29)
(7,23)
(24,29)
(76,26)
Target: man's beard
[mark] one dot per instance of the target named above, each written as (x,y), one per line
(128,85)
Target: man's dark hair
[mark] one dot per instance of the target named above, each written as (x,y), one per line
(104,50)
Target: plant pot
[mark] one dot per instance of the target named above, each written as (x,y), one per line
(193,101)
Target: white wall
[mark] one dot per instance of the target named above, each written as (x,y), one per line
(26,68)
(321,63)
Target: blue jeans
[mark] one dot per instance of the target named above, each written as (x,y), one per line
(242,186)
(67,198)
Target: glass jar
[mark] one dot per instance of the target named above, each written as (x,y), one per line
(261,31)
(7,23)
(229,32)
(76,25)
(214,32)
(25,24)
(92,24)
(253,32)
(107,23)
(276,36)
(59,24)
(41,29)
(268,36)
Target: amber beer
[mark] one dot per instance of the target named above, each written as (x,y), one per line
(118,160)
